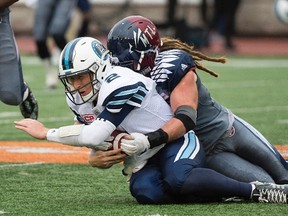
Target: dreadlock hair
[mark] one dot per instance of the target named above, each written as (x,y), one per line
(169,43)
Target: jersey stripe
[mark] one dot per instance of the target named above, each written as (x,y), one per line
(132,95)
(67,60)
(190,147)
(256,133)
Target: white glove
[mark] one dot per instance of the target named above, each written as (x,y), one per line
(134,163)
(137,145)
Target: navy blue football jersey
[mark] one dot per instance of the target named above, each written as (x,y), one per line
(213,120)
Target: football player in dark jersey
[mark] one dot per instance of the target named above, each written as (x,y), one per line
(113,98)
(233,146)
(13,89)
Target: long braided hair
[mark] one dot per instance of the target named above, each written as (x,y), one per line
(170,43)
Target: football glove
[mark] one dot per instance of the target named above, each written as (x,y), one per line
(135,146)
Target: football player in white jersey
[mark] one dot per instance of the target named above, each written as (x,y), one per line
(105,97)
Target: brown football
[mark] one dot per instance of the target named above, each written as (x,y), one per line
(117,137)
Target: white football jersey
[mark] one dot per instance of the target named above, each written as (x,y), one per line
(127,101)
(122,87)
(150,111)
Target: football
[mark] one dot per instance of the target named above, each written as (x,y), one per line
(281,10)
(117,136)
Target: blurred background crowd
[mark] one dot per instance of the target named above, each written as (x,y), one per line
(219,26)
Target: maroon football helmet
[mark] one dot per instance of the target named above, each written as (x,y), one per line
(135,41)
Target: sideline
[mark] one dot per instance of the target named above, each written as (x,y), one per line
(42,152)
(37,152)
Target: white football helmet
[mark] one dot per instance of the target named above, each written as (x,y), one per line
(83,55)
(281,10)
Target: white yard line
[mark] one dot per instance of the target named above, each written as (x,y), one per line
(260,109)
(21,164)
(253,63)
(232,62)
(5,117)
(4,120)
(282,121)
(238,84)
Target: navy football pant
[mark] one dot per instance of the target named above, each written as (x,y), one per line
(247,156)
(177,174)
(12,86)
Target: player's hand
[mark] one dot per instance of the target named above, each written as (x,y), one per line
(32,127)
(106,159)
(135,144)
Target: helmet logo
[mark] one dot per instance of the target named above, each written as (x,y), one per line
(150,31)
(98,48)
(141,36)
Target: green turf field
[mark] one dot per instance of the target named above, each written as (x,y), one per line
(253,88)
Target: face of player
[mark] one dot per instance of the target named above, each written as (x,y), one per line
(82,83)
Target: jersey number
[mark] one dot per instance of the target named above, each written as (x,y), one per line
(111,77)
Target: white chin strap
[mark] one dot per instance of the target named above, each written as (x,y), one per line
(88,96)
(93,94)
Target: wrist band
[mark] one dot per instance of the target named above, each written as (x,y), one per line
(157,138)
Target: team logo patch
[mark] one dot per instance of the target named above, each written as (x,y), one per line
(183,67)
(232,132)
(88,118)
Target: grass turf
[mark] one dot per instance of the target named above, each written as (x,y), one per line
(254,89)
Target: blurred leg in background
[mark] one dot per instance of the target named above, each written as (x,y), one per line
(52,19)
(223,22)
(85,8)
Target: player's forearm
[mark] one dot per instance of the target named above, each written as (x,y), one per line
(92,136)
(6,3)
(174,128)
(184,103)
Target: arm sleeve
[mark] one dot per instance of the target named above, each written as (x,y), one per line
(91,136)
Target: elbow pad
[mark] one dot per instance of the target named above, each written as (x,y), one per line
(187,115)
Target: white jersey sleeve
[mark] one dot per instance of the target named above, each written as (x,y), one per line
(122,86)
(91,136)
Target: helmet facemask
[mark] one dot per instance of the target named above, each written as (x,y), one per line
(146,61)
(72,93)
(137,60)
(83,65)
